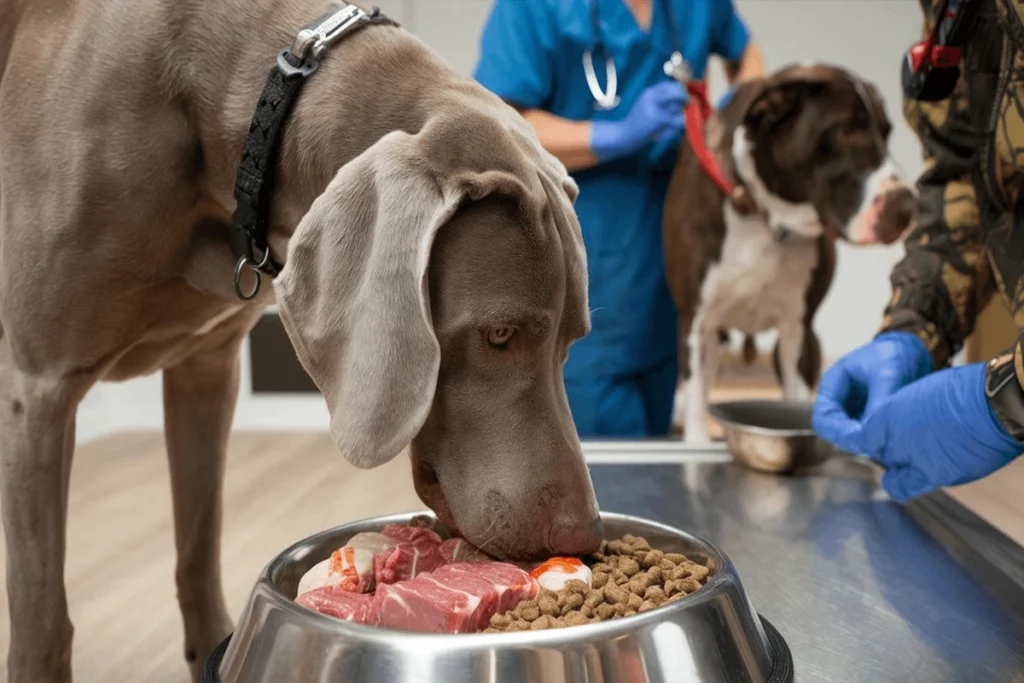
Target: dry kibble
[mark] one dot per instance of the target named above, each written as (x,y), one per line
(699,572)
(651,558)
(574,600)
(531,610)
(655,594)
(688,585)
(618,547)
(541,623)
(576,619)
(501,621)
(615,594)
(628,577)
(629,567)
(549,606)
(638,584)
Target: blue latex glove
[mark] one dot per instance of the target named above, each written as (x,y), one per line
(938,431)
(854,386)
(657,113)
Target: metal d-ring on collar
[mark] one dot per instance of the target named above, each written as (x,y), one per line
(675,67)
(255,178)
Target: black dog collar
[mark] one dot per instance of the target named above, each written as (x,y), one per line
(255,179)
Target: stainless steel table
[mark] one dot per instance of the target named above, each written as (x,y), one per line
(863,589)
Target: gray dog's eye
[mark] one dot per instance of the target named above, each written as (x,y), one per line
(500,336)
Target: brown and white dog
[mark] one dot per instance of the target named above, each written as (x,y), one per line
(808,145)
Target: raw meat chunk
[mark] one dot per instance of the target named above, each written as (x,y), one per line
(456,598)
(339,603)
(460,550)
(416,550)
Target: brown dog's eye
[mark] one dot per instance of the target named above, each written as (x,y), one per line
(825,146)
(499,337)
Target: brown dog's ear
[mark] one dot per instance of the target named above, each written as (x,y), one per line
(779,101)
(353,294)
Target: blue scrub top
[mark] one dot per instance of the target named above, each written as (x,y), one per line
(532,56)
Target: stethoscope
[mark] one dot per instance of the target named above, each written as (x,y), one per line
(676,67)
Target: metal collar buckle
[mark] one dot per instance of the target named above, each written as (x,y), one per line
(312,43)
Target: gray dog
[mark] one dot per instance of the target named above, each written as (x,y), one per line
(433,278)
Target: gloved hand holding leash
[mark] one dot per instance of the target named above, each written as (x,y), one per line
(927,429)
(657,114)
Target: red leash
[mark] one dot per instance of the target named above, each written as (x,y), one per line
(698,111)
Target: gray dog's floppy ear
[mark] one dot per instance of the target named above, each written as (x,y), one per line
(353,297)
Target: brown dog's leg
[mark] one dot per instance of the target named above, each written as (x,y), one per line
(199,403)
(37,437)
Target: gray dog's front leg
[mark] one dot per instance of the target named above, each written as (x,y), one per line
(37,436)
(199,403)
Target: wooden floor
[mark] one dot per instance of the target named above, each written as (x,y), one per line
(280,488)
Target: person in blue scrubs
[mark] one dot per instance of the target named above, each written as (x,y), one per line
(621,377)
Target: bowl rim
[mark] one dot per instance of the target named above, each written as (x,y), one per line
(613,628)
(715,411)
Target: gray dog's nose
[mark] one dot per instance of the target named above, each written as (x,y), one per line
(575,539)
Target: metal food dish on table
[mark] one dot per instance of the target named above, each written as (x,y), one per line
(712,636)
(771,436)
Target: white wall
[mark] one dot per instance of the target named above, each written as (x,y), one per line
(867,36)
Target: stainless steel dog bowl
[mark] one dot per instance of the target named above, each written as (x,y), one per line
(712,636)
(771,436)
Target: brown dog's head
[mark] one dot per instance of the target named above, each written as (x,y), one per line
(432,292)
(817,136)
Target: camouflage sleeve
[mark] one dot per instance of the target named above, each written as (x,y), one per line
(943,280)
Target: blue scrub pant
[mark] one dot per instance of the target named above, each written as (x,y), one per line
(636,405)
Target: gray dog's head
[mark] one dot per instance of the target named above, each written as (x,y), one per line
(432,292)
